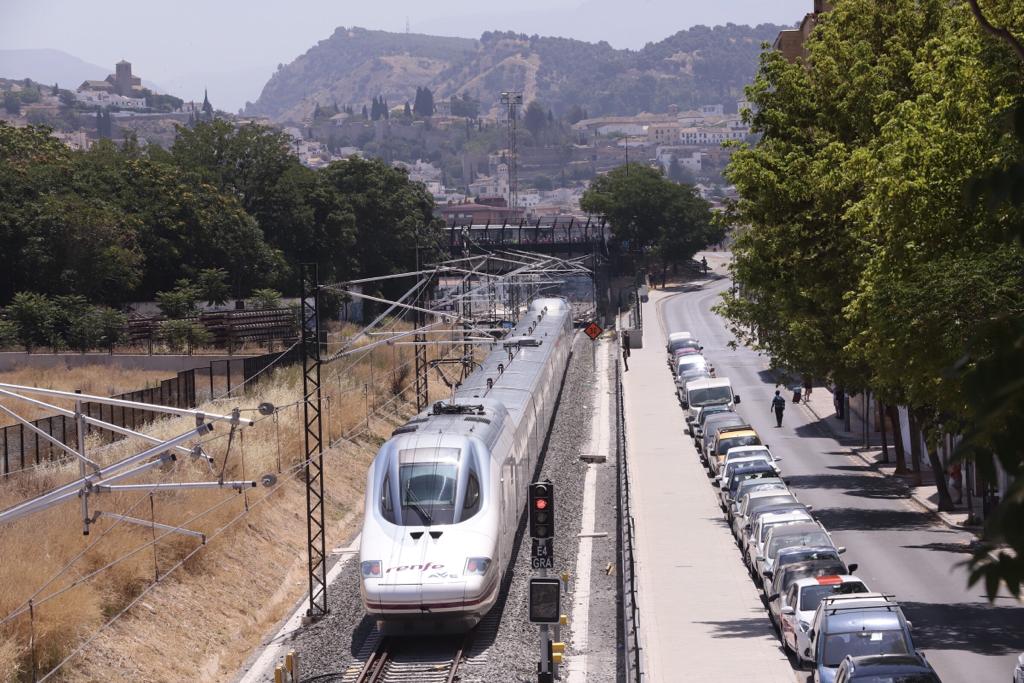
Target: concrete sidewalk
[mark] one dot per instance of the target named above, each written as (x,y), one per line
(822,405)
(701,618)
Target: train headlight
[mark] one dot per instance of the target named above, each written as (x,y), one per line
(371,569)
(477,565)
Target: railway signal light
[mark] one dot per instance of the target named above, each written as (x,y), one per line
(542,509)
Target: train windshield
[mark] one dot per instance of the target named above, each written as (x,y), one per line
(428,480)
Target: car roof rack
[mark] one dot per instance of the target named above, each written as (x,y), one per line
(828,603)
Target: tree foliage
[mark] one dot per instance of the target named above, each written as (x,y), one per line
(859,254)
(651,214)
(230,209)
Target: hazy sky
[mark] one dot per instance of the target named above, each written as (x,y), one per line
(233,46)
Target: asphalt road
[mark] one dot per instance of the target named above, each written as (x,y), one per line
(900,548)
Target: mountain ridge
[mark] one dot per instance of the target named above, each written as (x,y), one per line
(353,65)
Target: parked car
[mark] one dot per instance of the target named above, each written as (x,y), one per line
(713,424)
(856,625)
(693,350)
(799,603)
(749,486)
(760,527)
(767,566)
(811,534)
(742,471)
(691,372)
(730,438)
(751,503)
(786,576)
(759,451)
(696,428)
(895,668)
(708,392)
(678,340)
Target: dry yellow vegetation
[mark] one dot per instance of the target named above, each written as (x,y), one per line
(206,616)
(99,380)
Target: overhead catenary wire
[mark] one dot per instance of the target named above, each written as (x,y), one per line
(349,436)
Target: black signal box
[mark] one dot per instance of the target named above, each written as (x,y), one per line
(545,601)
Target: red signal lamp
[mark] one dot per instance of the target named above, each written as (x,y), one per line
(541,504)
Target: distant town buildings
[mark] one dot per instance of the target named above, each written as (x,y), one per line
(121,82)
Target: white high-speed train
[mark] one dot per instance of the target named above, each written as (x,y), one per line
(445,493)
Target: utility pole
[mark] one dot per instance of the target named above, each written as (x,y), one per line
(314,467)
(420,349)
(512,100)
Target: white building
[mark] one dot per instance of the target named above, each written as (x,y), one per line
(528,200)
(492,186)
(686,158)
(99,98)
(420,171)
(713,110)
(709,136)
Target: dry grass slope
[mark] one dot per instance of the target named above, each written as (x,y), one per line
(101,380)
(203,621)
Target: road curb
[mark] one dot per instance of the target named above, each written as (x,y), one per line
(914,497)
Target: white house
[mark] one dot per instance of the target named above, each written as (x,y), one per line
(710,136)
(100,98)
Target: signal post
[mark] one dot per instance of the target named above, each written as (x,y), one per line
(545,592)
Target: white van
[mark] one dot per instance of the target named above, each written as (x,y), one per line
(710,391)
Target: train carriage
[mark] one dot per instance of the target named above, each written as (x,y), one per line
(445,493)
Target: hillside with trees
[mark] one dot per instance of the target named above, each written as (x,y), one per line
(352,66)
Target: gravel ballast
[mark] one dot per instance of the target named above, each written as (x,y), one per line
(506,646)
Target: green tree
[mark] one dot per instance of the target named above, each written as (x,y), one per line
(180,335)
(535,118)
(856,255)
(12,103)
(8,333)
(34,316)
(391,215)
(212,286)
(180,302)
(657,218)
(265,298)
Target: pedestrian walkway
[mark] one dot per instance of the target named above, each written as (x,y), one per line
(822,406)
(701,618)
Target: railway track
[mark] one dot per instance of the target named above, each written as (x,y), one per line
(395,660)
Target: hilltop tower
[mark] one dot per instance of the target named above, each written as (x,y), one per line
(123,78)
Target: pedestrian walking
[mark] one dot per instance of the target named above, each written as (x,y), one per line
(704,263)
(779,407)
(956,483)
(625,349)
(797,392)
(808,387)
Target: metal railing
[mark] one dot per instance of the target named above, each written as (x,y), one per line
(627,539)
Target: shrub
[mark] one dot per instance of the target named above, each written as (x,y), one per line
(265,298)
(8,333)
(179,334)
(33,314)
(179,302)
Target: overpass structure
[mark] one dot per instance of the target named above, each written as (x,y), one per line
(572,237)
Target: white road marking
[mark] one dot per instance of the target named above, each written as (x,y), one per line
(263,668)
(600,440)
